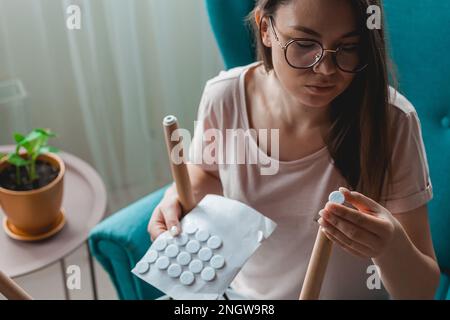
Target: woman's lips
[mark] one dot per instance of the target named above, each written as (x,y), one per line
(320,89)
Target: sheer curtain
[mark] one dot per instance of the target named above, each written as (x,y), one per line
(105,88)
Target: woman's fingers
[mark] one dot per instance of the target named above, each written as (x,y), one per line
(353,231)
(367,221)
(165,216)
(157,224)
(343,245)
(363,230)
(360,201)
(352,237)
(172,215)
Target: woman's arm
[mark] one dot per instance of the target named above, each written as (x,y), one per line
(400,246)
(204,182)
(408,267)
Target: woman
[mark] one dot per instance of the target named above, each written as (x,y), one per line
(323,83)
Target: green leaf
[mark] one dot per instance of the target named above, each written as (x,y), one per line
(17,160)
(33,142)
(33,136)
(29,143)
(49,149)
(18,137)
(46,132)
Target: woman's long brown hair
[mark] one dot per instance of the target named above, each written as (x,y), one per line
(359,138)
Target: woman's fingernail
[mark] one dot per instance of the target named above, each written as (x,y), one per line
(329,206)
(320,221)
(174,230)
(343,189)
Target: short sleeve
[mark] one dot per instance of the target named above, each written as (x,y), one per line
(202,149)
(410,186)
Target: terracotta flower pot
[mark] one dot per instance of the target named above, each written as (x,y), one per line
(37,211)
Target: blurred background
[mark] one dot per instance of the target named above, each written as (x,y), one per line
(104,89)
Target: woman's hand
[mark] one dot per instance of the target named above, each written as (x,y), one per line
(166,215)
(366,231)
(169,211)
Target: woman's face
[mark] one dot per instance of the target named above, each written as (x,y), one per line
(332,23)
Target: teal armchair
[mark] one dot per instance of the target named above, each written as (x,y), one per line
(418,31)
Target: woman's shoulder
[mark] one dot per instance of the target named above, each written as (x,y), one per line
(402,111)
(400,105)
(223,97)
(404,118)
(226,85)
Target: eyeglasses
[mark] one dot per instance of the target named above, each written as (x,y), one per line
(306,53)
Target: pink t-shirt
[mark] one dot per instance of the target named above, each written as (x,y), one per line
(293,196)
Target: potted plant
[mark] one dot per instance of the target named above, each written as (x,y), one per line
(31,186)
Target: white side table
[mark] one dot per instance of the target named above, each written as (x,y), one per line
(84,203)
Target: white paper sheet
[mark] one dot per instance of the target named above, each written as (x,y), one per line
(242,230)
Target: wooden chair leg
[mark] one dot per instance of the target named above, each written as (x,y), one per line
(11,290)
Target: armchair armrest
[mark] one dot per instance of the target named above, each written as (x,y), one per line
(118,243)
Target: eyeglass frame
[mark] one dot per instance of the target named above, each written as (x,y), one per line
(289,42)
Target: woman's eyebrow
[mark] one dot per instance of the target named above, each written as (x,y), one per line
(317,34)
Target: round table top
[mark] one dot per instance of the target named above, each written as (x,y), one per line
(84,202)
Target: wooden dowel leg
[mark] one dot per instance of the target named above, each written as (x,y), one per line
(180,173)
(11,290)
(317,267)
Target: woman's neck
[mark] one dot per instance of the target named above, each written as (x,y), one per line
(291,112)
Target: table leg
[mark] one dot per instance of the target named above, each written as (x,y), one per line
(62,263)
(92,273)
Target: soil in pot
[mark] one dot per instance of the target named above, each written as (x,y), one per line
(44,170)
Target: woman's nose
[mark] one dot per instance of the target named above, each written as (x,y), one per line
(326,65)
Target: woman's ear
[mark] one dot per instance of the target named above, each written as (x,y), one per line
(263,26)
